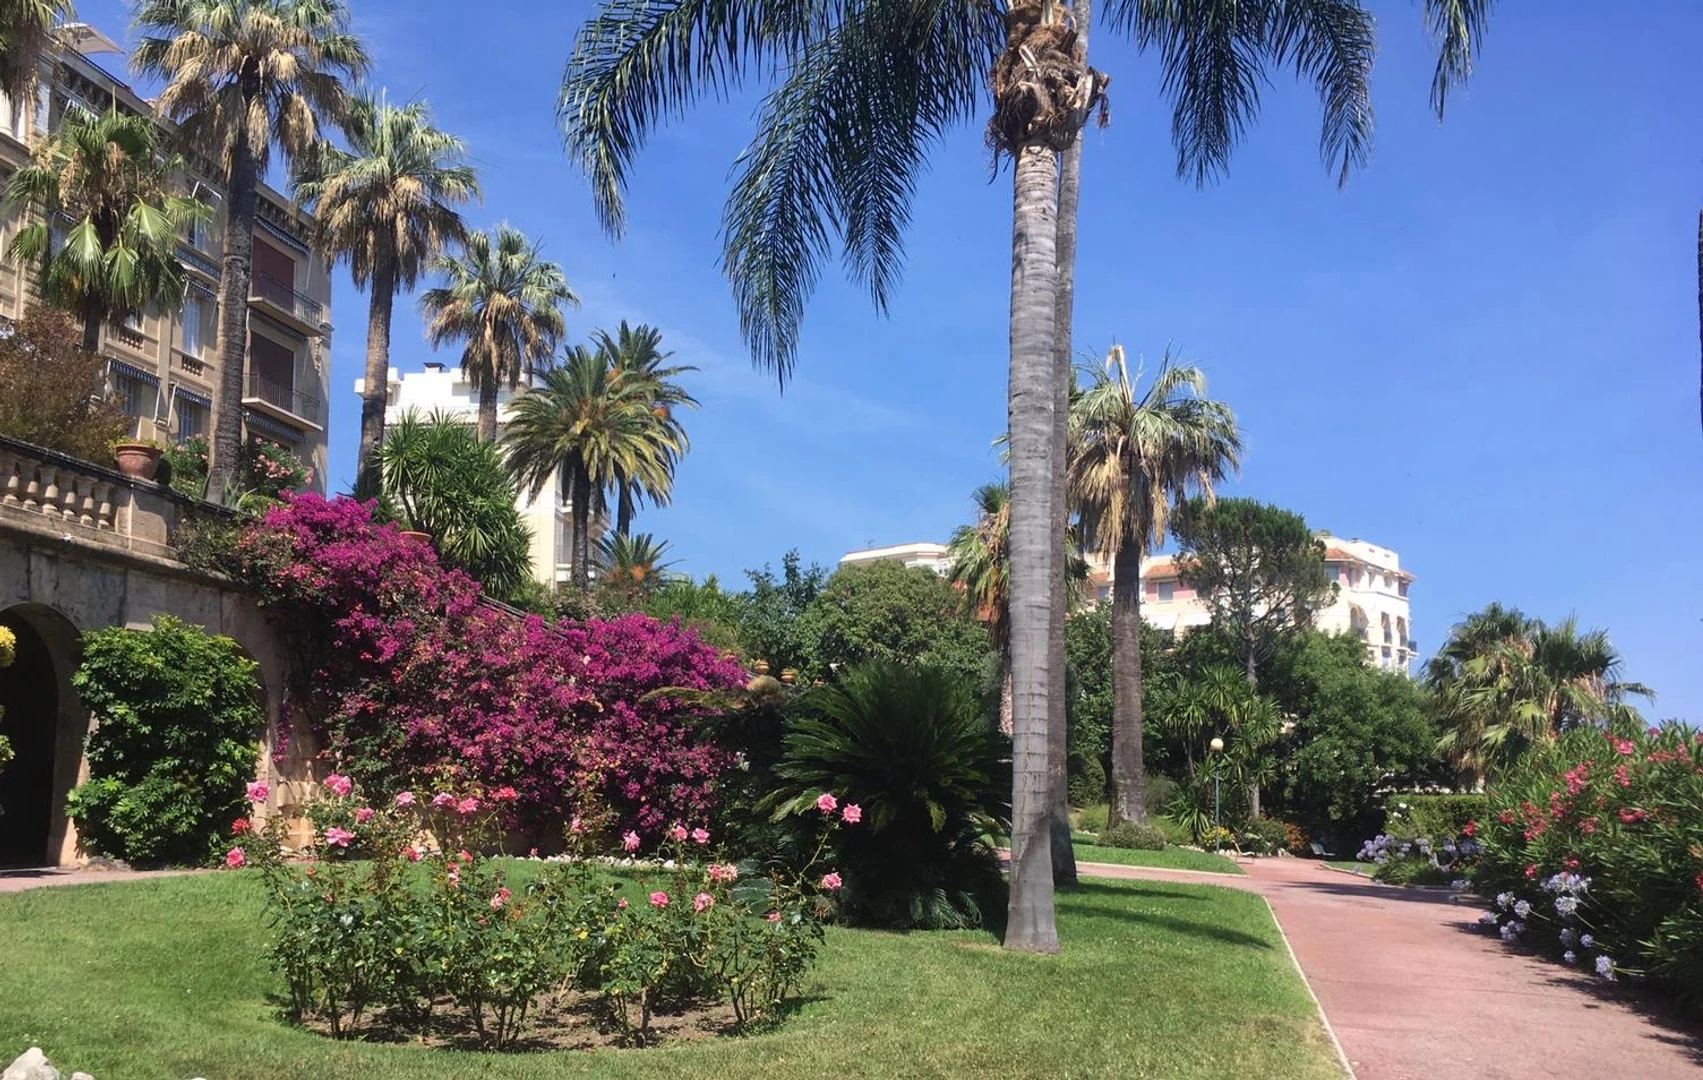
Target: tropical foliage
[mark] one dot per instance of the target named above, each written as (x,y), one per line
(386,205)
(636,357)
(502,301)
(105,235)
(885,611)
(242,77)
(26,28)
(438,478)
(54,388)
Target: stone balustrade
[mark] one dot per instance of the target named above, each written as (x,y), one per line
(43,491)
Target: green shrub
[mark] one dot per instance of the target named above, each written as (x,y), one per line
(183,467)
(1176,833)
(1411,872)
(1161,792)
(1130,834)
(1263,836)
(912,748)
(52,395)
(1087,781)
(1435,817)
(1092,819)
(177,736)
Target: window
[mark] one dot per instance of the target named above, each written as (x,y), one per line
(134,395)
(1103,593)
(191,419)
(133,321)
(1167,589)
(195,234)
(192,326)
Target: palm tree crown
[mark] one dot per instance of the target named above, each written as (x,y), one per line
(106,175)
(26,27)
(636,356)
(503,302)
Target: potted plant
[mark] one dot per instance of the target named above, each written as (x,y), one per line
(137,458)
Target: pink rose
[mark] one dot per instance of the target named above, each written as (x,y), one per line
(702,901)
(338,837)
(630,840)
(411,853)
(464,855)
(774,916)
(258,791)
(501,898)
(677,834)
(467,806)
(575,826)
(339,784)
(830,880)
(505,794)
(658,899)
(721,874)
(826,803)
(363,815)
(236,858)
(852,814)
(621,904)
(443,800)
(454,874)
(700,836)
(404,798)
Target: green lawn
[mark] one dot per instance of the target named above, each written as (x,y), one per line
(164,979)
(1358,867)
(1172,858)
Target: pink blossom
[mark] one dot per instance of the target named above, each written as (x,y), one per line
(774,916)
(575,826)
(1633,816)
(830,880)
(443,800)
(501,898)
(258,791)
(236,858)
(826,803)
(505,794)
(852,814)
(464,855)
(454,874)
(630,841)
(621,904)
(339,784)
(411,853)
(722,874)
(702,901)
(700,836)
(467,806)
(677,833)
(364,815)
(338,837)
(659,899)
(1623,746)
(404,798)
(240,826)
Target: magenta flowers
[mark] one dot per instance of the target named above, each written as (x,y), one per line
(630,840)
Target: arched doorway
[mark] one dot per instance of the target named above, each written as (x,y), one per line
(39,720)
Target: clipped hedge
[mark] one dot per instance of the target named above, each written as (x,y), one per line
(1137,837)
(1435,817)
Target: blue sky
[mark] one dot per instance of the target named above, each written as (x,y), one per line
(1483,352)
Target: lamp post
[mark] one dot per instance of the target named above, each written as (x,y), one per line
(1217,746)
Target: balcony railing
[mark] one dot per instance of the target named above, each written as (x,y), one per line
(288,398)
(284,297)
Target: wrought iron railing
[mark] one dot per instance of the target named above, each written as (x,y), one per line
(285,397)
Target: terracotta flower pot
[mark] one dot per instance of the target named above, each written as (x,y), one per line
(761,667)
(138,460)
(424,538)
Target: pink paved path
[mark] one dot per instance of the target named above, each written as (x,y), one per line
(1414,991)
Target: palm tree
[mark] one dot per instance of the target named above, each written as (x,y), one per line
(503,302)
(635,563)
(585,424)
(107,175)
(1134,457)
(868,90)
(635,354)
(387,205)
(26,27)
(243,76)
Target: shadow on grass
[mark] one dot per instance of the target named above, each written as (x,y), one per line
(1196,928)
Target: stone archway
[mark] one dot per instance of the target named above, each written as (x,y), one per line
(46,724)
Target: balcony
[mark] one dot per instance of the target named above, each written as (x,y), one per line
(282,402)
(279,299)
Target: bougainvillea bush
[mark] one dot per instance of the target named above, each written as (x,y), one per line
(445,942)
(1593,851)
(408,681)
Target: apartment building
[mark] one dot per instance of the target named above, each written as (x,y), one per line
(163,366)
(1371,598)
(441,389)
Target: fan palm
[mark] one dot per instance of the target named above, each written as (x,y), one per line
(503,302)
(1135,454)
(387,205)
(103,182)
(636,355)
(583,424)
(243,76)
(26,27)
(868,91)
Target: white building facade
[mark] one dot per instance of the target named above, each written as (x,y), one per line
(441,389)
(922,553)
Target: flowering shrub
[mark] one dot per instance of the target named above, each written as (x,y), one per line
(1595,842)
(1418,860)
(411,683)
(409,932)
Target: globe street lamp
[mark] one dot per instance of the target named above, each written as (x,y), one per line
(1217,746)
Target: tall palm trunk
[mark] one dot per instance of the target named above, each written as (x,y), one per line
(376,394)
(582,528)
(1030,923)
(623,504)
(1129,770)
(242,197)
(486,427)
(1251,670)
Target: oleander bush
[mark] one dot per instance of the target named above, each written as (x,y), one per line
(1593,850)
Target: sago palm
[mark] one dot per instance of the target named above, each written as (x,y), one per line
(26,29)
(243,77)
(1135,453)
(108,176)
(637,357)
(866,92)
(585,425)
(386,204)
(502,300)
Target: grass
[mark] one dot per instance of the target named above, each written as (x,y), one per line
(1172,858)
(165,979)
(1355,865)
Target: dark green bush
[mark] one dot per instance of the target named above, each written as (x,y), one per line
(1263,836)
(1161,790)
(178,723)
(1411,872)
(1087,781)
(1435,817)
(1129,834)
(912,749)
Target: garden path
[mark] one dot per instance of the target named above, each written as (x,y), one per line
(1414,990)
(19,880)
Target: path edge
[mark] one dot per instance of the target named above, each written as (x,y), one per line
(1341,1054)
